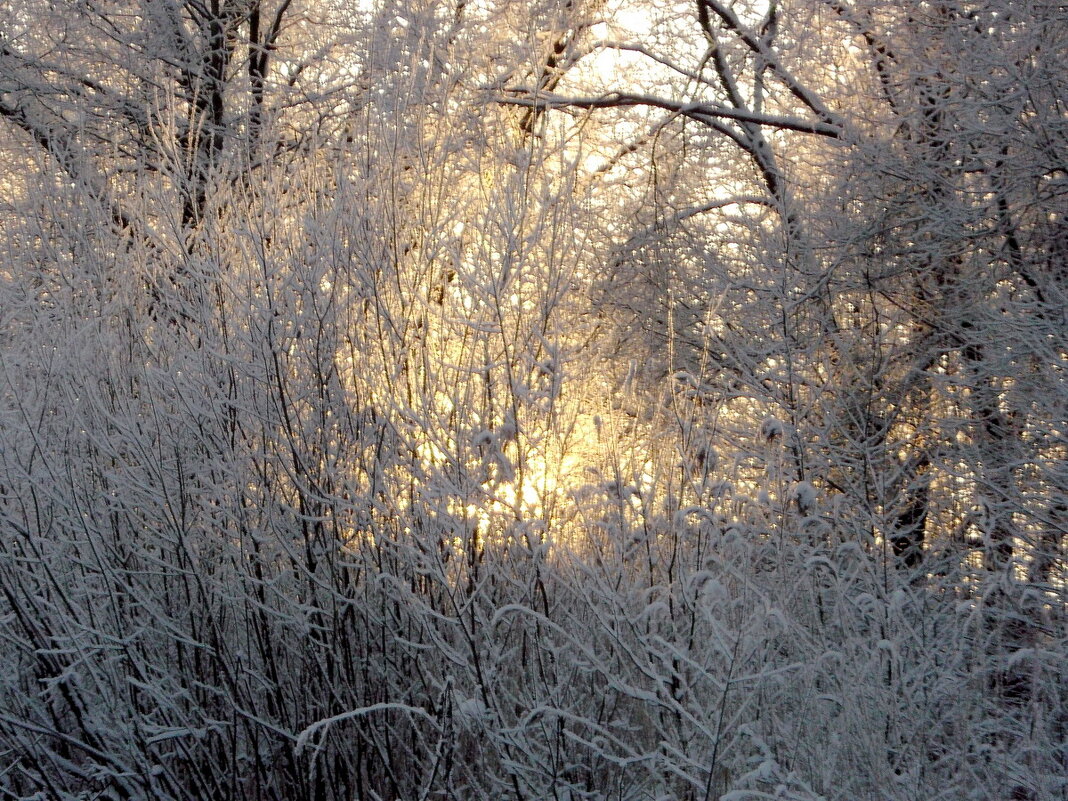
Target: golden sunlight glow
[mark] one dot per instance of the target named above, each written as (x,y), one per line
(540,489)
(608,63)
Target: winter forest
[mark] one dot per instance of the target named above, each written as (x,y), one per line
(543,400)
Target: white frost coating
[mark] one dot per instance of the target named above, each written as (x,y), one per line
(771,428)
(326,723)
(804,495)
(472,709)
(343,408)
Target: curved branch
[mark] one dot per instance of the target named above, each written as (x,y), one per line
(705,113)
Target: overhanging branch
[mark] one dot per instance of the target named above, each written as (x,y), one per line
(705,113)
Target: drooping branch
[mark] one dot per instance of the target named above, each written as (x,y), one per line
(705,113)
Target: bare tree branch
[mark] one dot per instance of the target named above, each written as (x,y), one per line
(705,113)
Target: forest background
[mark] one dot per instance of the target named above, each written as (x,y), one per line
(533,399)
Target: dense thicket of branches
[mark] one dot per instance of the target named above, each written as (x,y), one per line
(533,399)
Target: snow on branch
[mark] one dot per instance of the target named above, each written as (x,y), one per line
(705,113)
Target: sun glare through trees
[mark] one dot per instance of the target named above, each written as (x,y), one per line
(587,400)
